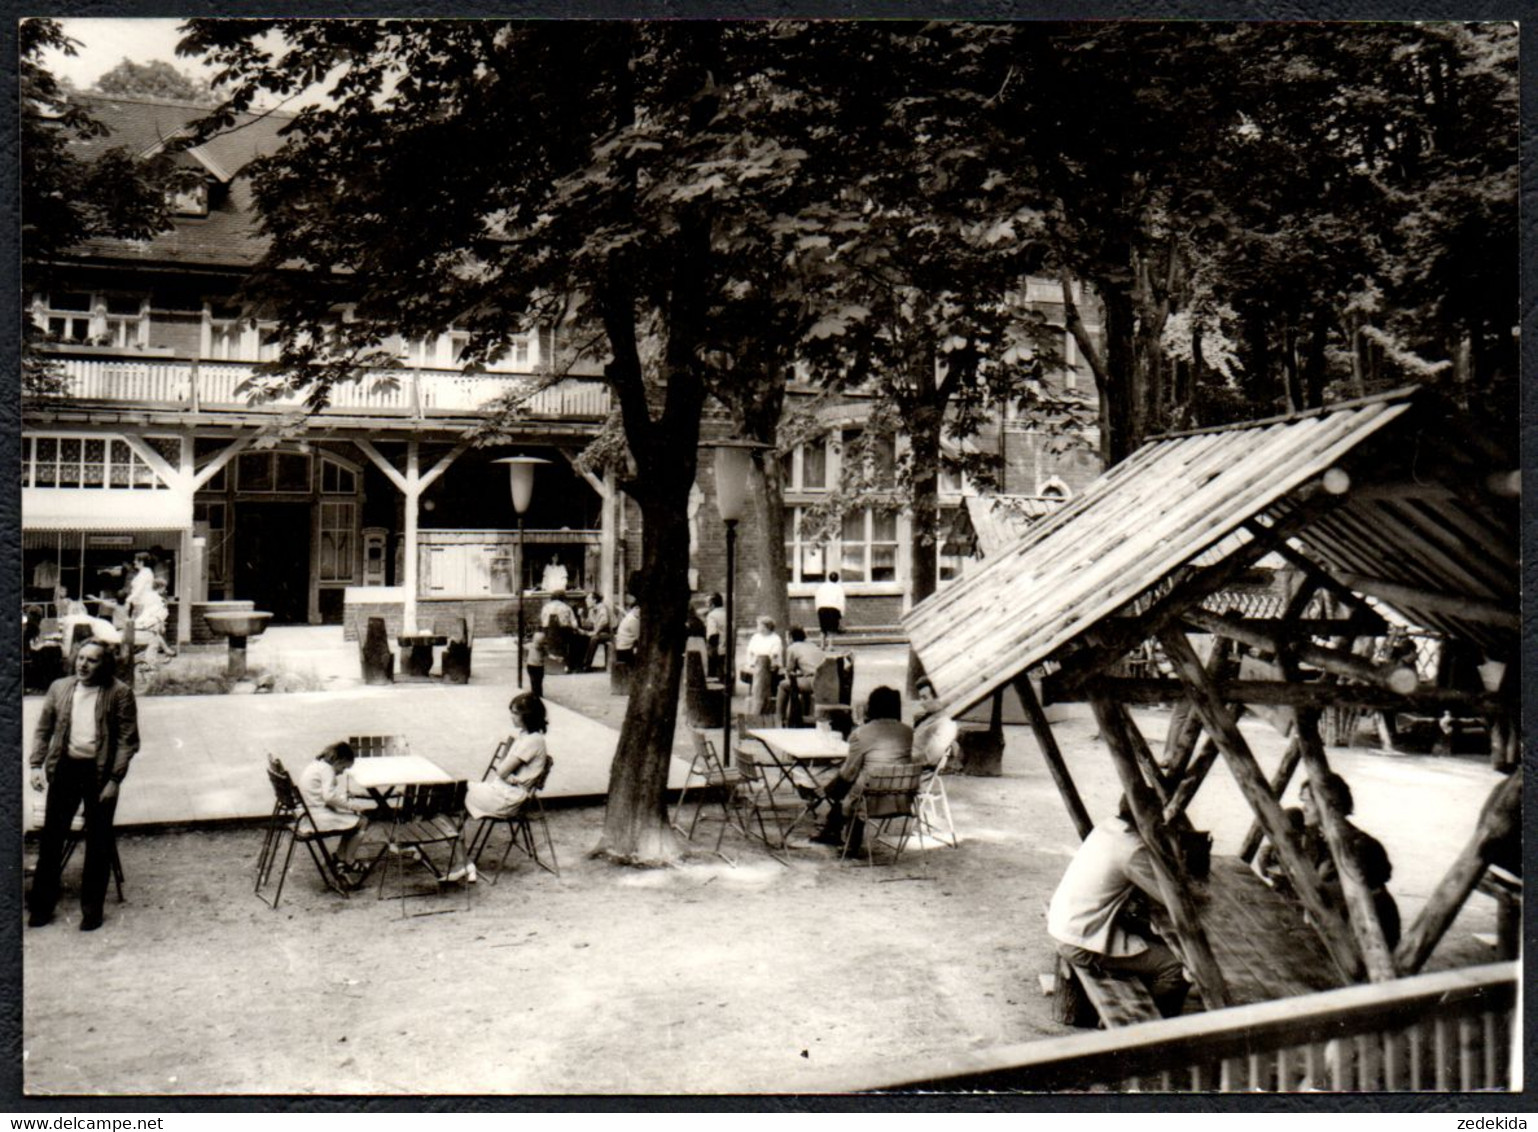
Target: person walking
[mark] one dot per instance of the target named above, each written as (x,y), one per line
(829,601)
(87,734)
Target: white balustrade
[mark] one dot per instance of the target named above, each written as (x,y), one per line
(224,386)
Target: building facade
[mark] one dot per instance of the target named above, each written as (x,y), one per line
(377,504)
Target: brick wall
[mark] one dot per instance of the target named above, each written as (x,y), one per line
(488,617)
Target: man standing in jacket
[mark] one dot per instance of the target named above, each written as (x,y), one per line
(86,736)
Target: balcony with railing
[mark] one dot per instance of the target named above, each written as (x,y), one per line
(201,386)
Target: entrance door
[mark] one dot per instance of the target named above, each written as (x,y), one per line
(272,559)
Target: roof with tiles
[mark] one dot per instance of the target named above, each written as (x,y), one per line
(228,236)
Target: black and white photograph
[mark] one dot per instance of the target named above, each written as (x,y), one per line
(580,557)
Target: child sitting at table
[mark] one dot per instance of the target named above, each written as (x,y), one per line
(502,793)
(330,806)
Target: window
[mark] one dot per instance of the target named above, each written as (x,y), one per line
(336,479)
(805,558)
(337,524)
(273,471)
(94,319)
(865,551)
(806,467)
(951,555)
(68,316)
(95,462)
(191,201)
(879,454)
(210,520)
(868,547)
(226,333)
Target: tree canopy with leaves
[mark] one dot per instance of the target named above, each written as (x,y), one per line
(155,79)
(628,177)
(67,197)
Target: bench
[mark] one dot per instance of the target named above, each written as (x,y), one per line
(1118,1000)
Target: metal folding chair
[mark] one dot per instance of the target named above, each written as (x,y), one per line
(72,842)
(890,796)
(520,829)
(369,746)
(430,817)
(291,817)
(934,805)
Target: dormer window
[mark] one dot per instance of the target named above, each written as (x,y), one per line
(191,200)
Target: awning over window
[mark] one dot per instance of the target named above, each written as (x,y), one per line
(85,509)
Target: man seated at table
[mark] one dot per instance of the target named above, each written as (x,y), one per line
(802,659)
(600,630)
(1088,917)
(882,740)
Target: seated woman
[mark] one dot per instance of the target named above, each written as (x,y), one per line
(882,740)
(331,807)
(150,623)
(503,793)
(1371,858)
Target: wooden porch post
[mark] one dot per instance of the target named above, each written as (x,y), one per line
(1247,773)
(1195,950)
(186,556)
(1053,756)
(1500,817)
(412,493)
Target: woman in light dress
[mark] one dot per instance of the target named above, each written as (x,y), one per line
(503,792)
(325,793)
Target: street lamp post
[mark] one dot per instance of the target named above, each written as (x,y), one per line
(521,481)
(734,459)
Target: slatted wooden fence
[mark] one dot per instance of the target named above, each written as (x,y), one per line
(1451,1031)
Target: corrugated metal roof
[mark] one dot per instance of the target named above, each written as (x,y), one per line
(1158,510)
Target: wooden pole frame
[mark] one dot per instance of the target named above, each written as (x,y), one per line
(1224,730)
(1195,950)
(1053,755)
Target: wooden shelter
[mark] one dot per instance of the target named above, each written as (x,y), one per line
(1390,506)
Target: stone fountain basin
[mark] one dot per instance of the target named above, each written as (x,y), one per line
(238,623)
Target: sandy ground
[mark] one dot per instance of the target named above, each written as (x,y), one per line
(702,978)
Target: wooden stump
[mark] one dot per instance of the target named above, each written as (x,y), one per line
(374,651)
(982,753)
(619,676)
(456,654)
(704,706)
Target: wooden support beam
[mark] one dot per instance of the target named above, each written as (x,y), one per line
(1195,951)
(1314,693)
(1120,637)
(1361,913)
(1400,678)
(1279,781)
(413,493)
(1185,726)
(1151,772)
(1469,608)
(1047,742)
(1220,724)
(211,469)
(1361,612)
(1191,781)
(1499,819)
(389,469)
(443,465)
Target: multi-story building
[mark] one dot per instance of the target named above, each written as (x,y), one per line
(377,503)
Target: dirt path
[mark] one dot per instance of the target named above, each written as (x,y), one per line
(702,978)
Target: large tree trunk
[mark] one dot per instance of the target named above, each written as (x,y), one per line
(635,827)
(1124,385)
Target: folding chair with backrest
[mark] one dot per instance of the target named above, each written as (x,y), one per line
(934,805)
(827,701)
(72,842)
(890,796)
(291,817)
(429,820)
(368,746)
(709,777)
(520,830)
